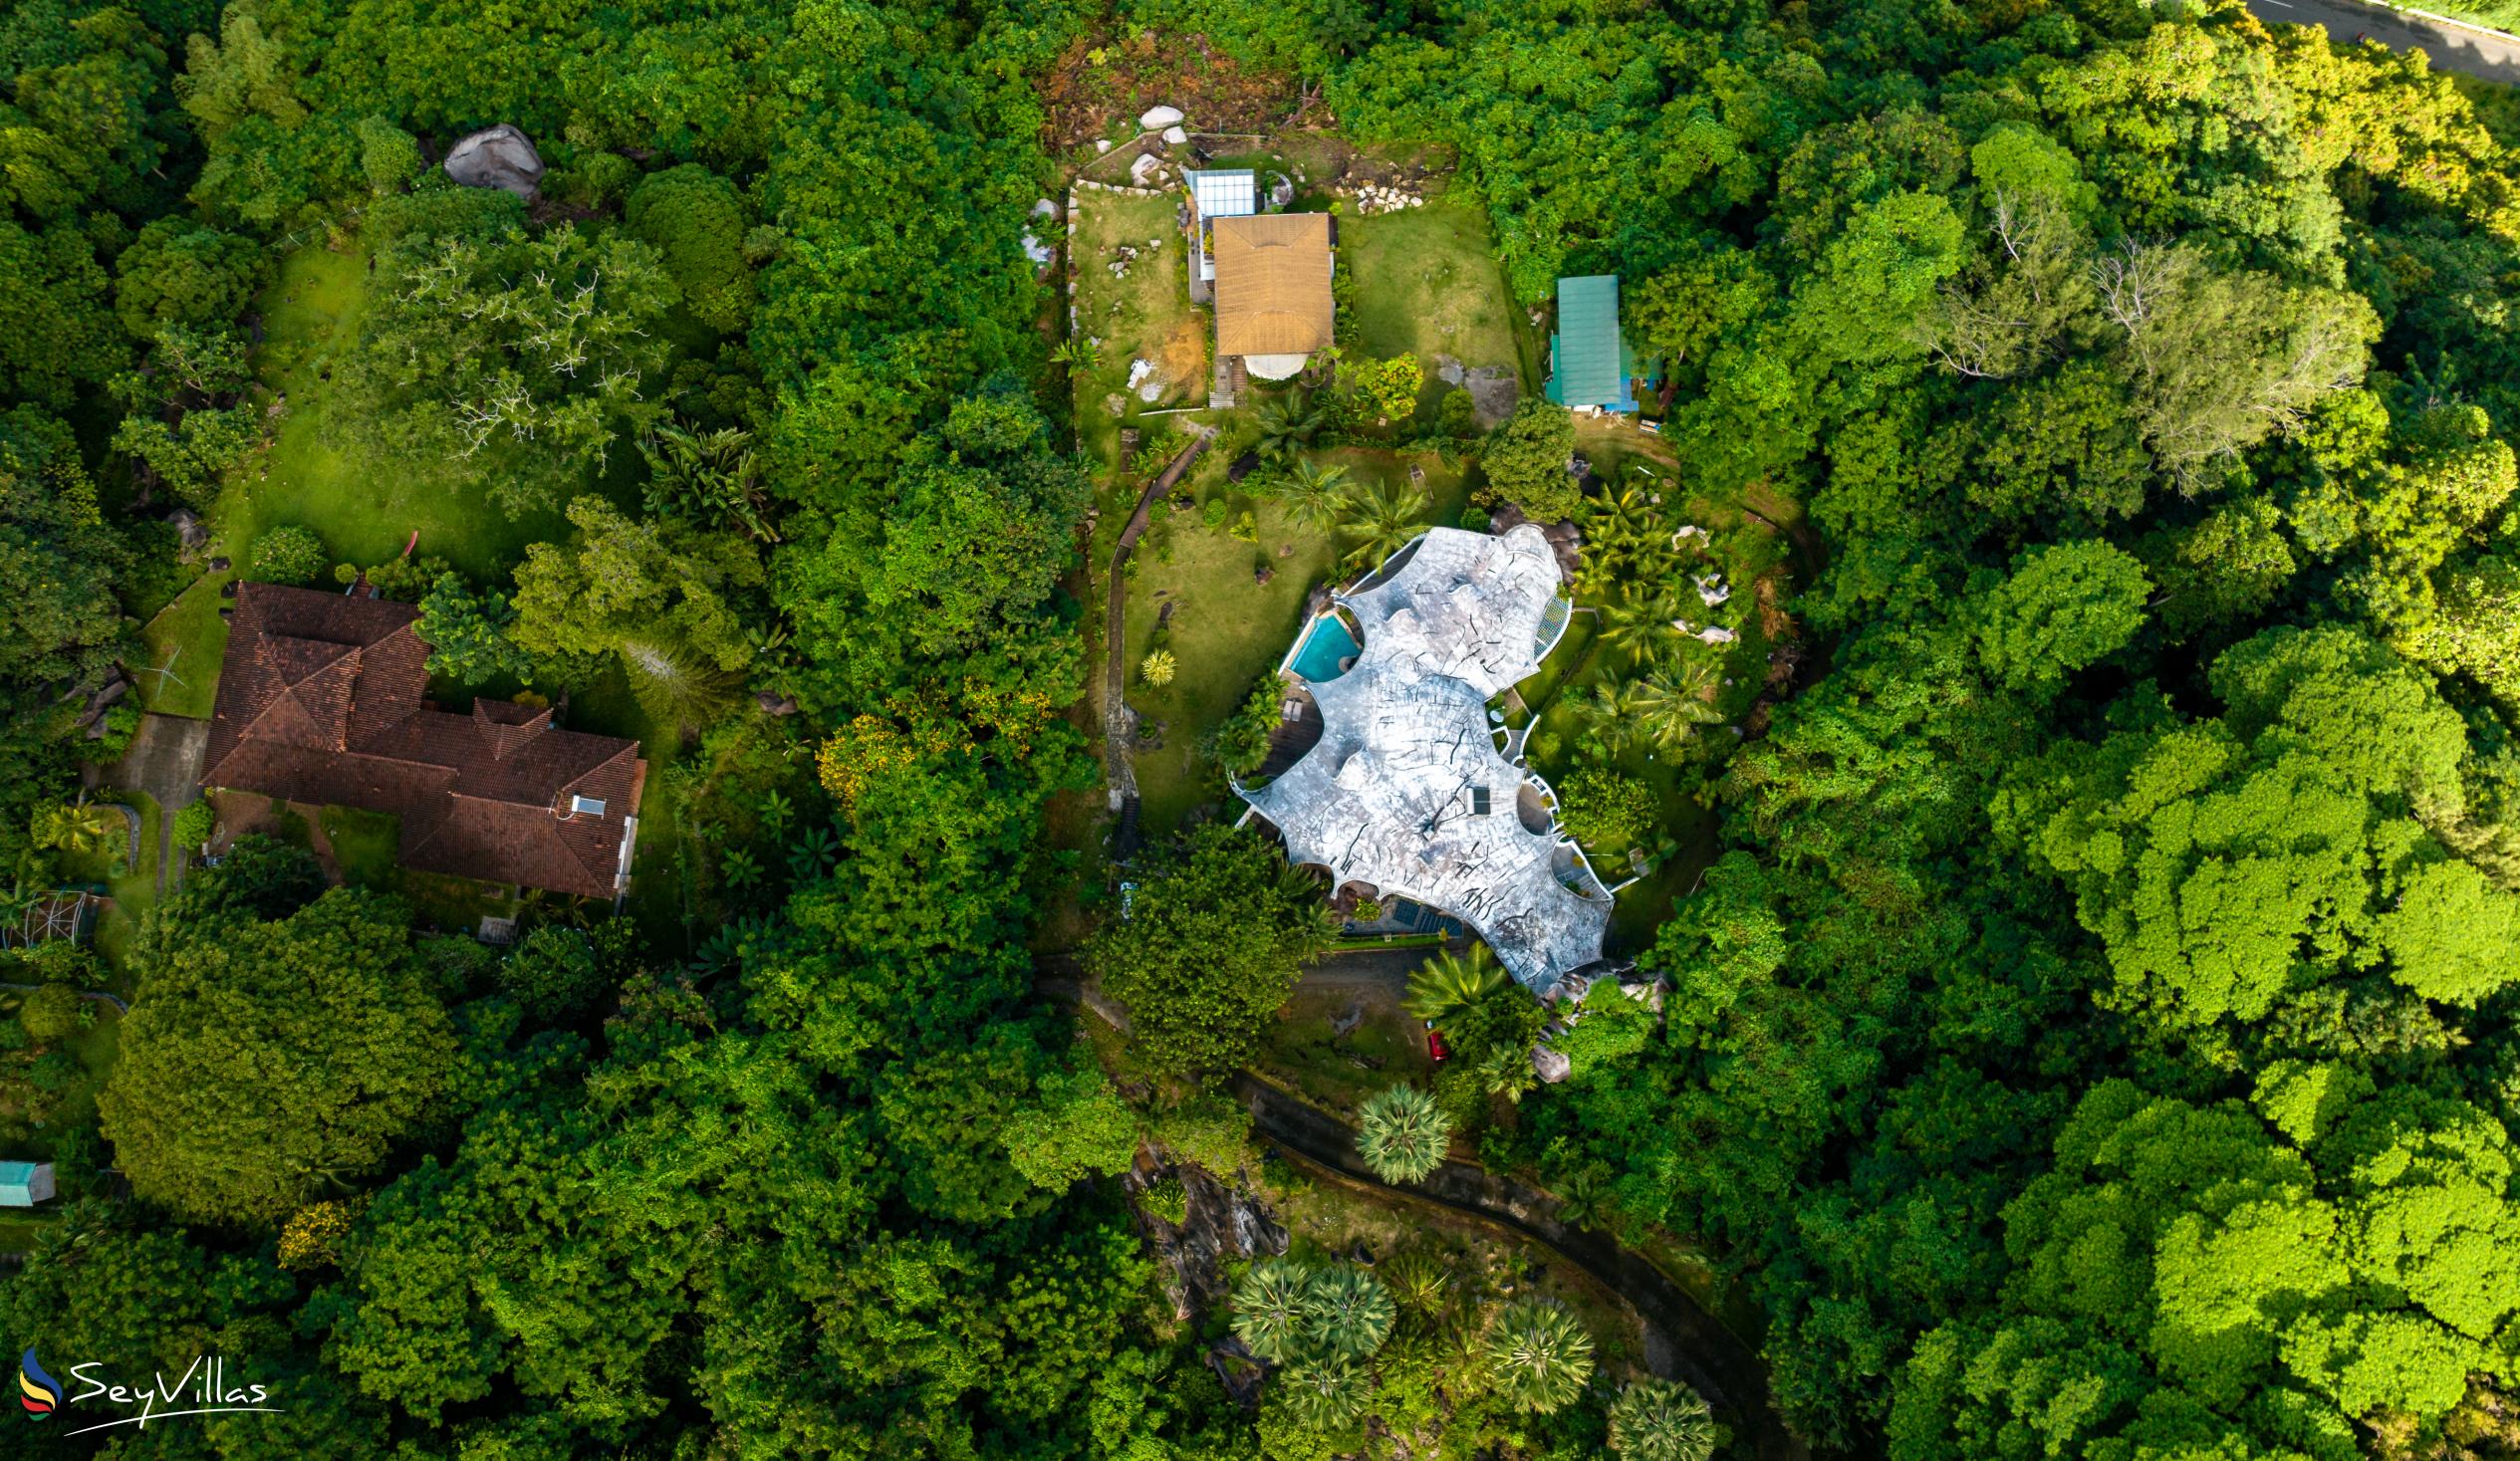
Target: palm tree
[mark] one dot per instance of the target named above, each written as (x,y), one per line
(1314,494)
(1288,425)
(1538,1357)
(812,853)
(710,477)
(1381,520)
(1418,1281)
(78,827)
(1656,1420)
(739,869)
(1269,1308)
(1450,982)
(1348,1312)
(1674,701)
(1157,668)
(774,812)
(1079,354)
(1611,713)
(1327,1394)
(1403,1133)
(1640,624)
(1619,531)
(675,685)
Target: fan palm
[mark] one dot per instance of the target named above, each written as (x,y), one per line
(1418,1281)
(1327,1394)
(1270,1308)
(1641,624)
(1381,519)
(1656,1420)
(1347,1313)
(1403,1133)
(1669,704)
(1288,425)
(1537,1356)
(1450,982)
(1314,494)
(78,827)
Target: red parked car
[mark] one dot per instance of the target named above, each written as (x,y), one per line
(1435,1044)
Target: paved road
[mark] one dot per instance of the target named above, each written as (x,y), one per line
(2452,48)
(164,759)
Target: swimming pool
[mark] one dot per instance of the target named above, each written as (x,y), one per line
(1317,654)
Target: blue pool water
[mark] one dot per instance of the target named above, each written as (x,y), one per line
(1324,644)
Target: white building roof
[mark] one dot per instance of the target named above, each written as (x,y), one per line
(1230,193)
(1408,789)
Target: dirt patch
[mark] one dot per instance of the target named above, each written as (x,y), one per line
(1494,389)
(1184,355)
(1103,78)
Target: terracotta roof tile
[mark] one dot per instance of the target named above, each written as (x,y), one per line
(322,700)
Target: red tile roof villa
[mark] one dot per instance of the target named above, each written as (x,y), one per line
(320,701)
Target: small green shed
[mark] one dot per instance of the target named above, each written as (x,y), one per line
(1587,356)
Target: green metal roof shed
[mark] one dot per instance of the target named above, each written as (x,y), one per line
(25,1183)
(1588,359)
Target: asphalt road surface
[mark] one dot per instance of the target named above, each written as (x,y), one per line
(2452,48)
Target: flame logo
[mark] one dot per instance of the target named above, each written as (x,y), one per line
(37,1391)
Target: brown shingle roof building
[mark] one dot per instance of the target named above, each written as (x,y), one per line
(1272,283)
(319,700)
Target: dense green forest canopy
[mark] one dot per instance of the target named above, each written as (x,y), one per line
(2093,1036)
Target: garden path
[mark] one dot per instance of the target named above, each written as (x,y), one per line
(1120,723)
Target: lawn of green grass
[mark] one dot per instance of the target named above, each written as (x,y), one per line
(186,638)
(1227,628)
(1427,282)
(363,845)
(310,320)
(1146,316)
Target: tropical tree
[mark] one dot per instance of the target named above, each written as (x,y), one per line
(1403,1133)
(710,478)
(1657,1420)
(1157,668)
(79,826)
(1537,1356)
(1669,704)
(1381,519)
(1327,1394)
(1288,425)
(1451,981)
(1272,1307)
(1642,624)
(1079,354)
(1313,495)
(1609,713)
(1347,1313)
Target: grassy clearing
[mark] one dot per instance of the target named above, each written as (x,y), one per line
(1147,315)
(1339,1072)
(363,845)
(1427,282)
(310,320)
(186,639)
(1225,629)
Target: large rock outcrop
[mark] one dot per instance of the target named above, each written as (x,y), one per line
(497,156)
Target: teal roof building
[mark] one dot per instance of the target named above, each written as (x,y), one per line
(25,1183)
(1587,357)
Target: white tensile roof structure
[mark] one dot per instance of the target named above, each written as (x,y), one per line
(1409,787)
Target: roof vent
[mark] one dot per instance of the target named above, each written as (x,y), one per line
(588,804)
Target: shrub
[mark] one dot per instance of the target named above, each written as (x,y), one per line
(1459,415)
(1527,458)
(1168,1200)
(1242,744)
(1607,811)
(197,824)
(1209,1130)
(51,1012)
(288,555)
(1157,668)
(1403,1134)
(1418,1281)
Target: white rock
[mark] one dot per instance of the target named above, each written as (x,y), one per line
(1155,119)
(1147,165)
(1175,136)
(1717,634)
(1045,208)
(1102,144)
(1140,370)
(1035,249)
